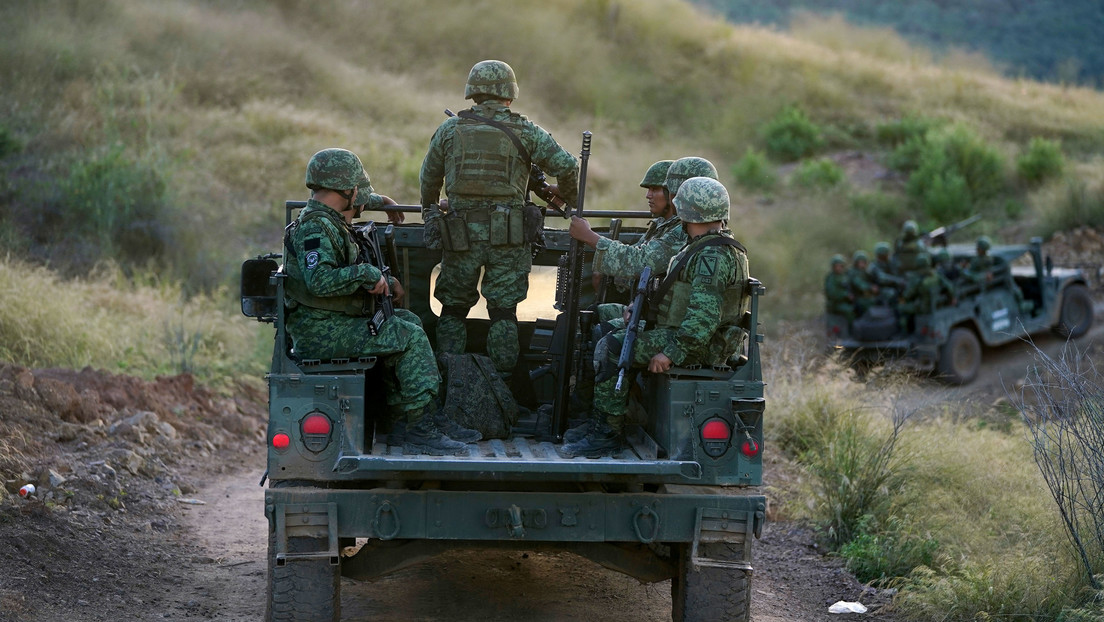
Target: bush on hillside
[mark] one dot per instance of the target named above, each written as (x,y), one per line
(881,553)
(906,156)
(818,174)
(9,144)
(754,171)
(791,135)
(957,171)
(1043,160)
(898,132)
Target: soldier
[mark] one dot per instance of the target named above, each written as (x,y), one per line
(947,267)
(837,290)
(697,308)
(483,157)
(928,291)
(863,285)
(885,274)
(330,302)
(985,271)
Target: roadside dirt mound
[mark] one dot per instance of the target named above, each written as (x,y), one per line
(114,459)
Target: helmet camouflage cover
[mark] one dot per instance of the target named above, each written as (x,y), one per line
(984,243)
(702,199)
(685,168)
(491,77)
(336,169)
(656,175)
(860,256)
(881,249)
(838,260)
(910,229)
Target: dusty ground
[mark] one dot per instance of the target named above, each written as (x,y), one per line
(148,508)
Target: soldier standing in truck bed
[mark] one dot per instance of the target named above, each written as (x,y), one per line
(697,309)
(330,301)
(483,157)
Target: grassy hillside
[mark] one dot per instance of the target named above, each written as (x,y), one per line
(166,134)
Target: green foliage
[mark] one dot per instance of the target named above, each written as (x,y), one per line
(900,131)
(9,144)
(754,171)
(119,204)
(880,208)
(791,135)
(957,172)
(1043,160)
(818,173)
(906,156)
(1070,204)
(881,553)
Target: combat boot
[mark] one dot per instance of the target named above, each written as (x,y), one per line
(600,441)
(454,430)
(576,433)
(424,437)
(397,434)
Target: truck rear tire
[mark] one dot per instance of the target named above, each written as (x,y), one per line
(960,358)
(302,590)
(1077,312)
(710,593)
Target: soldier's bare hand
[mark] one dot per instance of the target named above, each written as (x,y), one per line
(580,230)
(398,293)
(394,217)
(659,364)
(596,280)
(380,287)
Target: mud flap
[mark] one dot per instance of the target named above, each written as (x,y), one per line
(306,520)
(733,527)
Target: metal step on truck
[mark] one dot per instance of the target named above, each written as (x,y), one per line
(681,503)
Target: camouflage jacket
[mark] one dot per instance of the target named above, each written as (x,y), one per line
(322,254)
(929,291)
(445,157)
(861,281)
(654,249)
(837,289)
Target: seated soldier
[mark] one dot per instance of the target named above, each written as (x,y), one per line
(863,286)
(330,301)
(985,271)
(837,290)
(697,310)
(927,292)
(885,274)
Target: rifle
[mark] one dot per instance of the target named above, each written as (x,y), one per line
(939,235)
(604,281)
(571,269)
(369,252)
(624,362)
(392,252)
(538,185)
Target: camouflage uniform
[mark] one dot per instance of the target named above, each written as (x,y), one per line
(696,320)
(837,291)
(322,261)
(885,274)
(862,283)
(909,247)
(928,291)
(485,179)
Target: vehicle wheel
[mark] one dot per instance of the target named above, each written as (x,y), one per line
(1077,312)
(302,590)
(960,358)
(710,593)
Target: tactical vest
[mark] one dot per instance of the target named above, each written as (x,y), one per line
(487,165)
(357,304)
(671,308)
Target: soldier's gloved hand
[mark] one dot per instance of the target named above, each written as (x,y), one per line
(432,232)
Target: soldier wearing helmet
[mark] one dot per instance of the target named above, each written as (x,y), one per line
(482,156)
(862,282)
(330,301)
(694,313)
(908,248)
(837,290)
(925,293)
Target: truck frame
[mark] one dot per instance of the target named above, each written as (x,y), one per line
(681,503)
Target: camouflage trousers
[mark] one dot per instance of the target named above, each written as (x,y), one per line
(504,284)
(410,369)
(609,403)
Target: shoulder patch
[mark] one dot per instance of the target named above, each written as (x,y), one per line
(707,265)
(311,260)
(311,244)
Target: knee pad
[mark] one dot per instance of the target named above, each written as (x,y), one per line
(456,311)
(508,314)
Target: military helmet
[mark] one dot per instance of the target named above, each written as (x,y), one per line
(984,243)
(364,191)
(838,260)
(336,169)
(910,229)
(943,256)
(657,174)
(923,260)
(702,199)
(685,168)
(491,77)
(860,256)
(881,249)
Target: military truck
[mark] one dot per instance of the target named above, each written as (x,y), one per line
(682,503)
(1027,295)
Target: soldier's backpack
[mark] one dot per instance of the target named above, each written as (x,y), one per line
(477,397)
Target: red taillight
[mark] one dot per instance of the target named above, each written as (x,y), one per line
(316,424)
(716,430)
(749,448)
(281,441)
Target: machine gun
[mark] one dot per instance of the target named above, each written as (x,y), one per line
(624,362)
(569,281)
(939,235)
(369,252)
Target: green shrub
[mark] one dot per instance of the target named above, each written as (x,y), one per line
(1043,160)
(754,171)
(896,133)
(880,554)
(957,170)
(905,157)
(9,144)
(791,135)
(819,173)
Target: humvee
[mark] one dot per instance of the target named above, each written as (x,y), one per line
(681,503)
(949,339)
